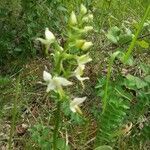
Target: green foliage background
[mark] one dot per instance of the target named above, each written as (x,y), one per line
(22,21)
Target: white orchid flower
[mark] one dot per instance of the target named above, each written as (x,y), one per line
(55,83)
(83,44)
(49,37)
(86,46)
(74,104)
(83,59)
(79,72)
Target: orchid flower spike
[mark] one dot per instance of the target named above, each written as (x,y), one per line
(55,83)
(74,104)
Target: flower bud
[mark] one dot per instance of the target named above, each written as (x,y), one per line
(49,35)
(87,18)
(73,19)
(83,9)
(79,43)
(86,45)
(87,28)
(90,16)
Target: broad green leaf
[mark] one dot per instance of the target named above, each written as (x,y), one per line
(104,147)
(18,49)
(113,34)
(129,62)
(123,93)
(61,145)
(4,80)
(145,68)
(115,54)
(143,44)
(61,8)
(125,38)
(135,81)
(112,38)
(147,78)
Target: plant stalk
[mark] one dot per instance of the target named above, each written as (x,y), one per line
(111,61)
(130,49)
(14,112)
(107,83)
(57,121)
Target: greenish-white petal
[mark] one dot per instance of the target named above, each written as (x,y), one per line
(76,102)
(51,86)
(83,59)
(82,78)
(62,81)
(73,19)
(79,70)
(49,35)
(86,45)
(83,9)
(43,41)
(47,76)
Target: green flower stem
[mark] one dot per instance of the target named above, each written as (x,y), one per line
(57,121)
(14,112)
(130,49)
(46,51)
(107,83)
(105,101)
(58,63)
